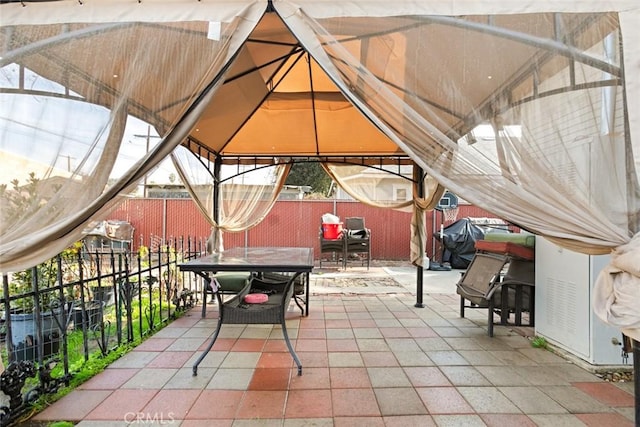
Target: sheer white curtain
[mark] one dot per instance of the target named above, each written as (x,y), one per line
(565,140)
(245,195)
(77,82)
(367,185)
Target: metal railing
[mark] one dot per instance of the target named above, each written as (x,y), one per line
(81,304)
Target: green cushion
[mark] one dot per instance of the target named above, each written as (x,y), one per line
(524,239)
(232,281)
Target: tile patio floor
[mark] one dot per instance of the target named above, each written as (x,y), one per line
(370,358)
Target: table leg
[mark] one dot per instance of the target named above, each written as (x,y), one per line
(213,338)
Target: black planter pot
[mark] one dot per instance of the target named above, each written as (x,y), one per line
(25,338)
(92,315)
(104,294)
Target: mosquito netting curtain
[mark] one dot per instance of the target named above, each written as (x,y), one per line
(232,198)
(76,84)
(419,194)
(565,147)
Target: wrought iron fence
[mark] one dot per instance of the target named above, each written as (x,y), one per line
(84,304)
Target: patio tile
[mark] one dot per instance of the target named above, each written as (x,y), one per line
(135,359)
(606,393)
(231,379)
(184,379)
(464,376)
(503,375)
(336,345)
(213,359)
(362,323)
(109,379)
(513,358)
(488,400)
(241,359)
(206,423)
(270,379)
(215,404)
(556,420)
(462,343)
(354,402)
(257,404)
(298,404)
(530,400)
(74,406)
(446,358)
(388,377)
(170,405)
(358,422)
(398,345)
(311,378)
(541,375)
(574,400)
(308,422)
(349,378)
(275,360)
(171,359)
(434,344)
(458,421)
(345,359)
(314,359)
(399,401)
(187,344)
(604,420)
(372,344)
(409,421)
(154,344)
(428,376)
(150,378)
(500,420)
(311,345)
(379,358)
(444,400)
(120,404)
(311,333)
(246,344)
(413,358)
(480,357)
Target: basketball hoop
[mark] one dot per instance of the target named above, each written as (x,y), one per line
(450,214)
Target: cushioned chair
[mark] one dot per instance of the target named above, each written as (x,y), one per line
(273,311)
(357,240)
(230,283)
(479,283)
(484,286)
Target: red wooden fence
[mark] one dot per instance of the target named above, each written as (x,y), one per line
(290,223)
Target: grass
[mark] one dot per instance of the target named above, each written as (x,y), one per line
(539,342)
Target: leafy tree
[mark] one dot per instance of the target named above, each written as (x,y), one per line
(311,174)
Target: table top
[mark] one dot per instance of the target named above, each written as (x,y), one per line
(254,259)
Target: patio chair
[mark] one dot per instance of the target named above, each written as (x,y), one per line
(517,294)
(479,283)
(229,282)
(331,239)
(272,311)
(484,286)
(357,240)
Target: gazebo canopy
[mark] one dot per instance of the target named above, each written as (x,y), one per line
(257,80)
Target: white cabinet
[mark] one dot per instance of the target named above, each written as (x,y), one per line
(564,314)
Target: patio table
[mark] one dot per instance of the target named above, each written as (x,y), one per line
(294,260)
